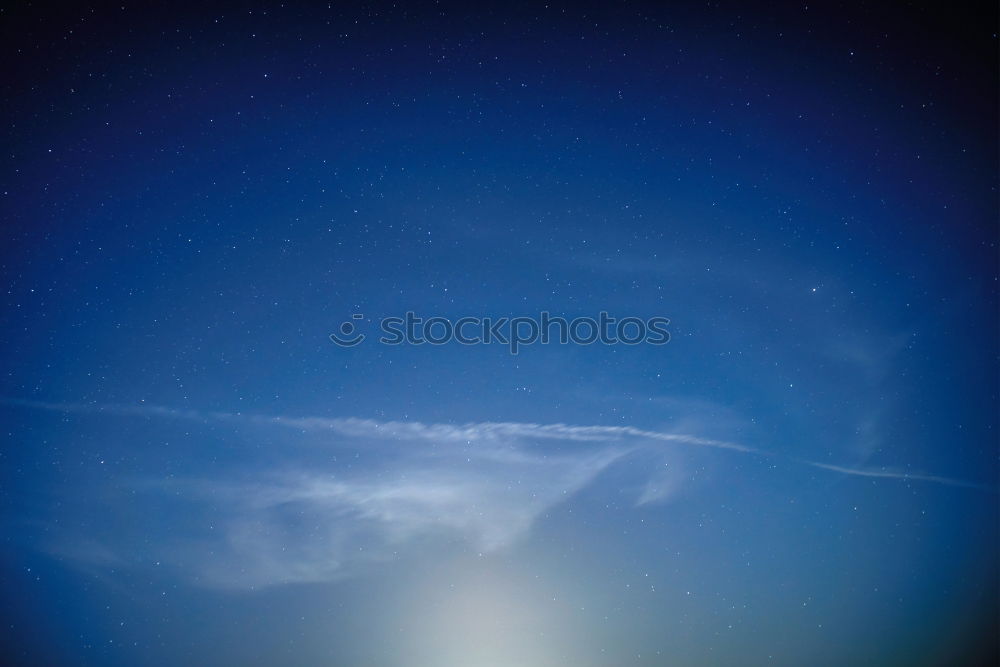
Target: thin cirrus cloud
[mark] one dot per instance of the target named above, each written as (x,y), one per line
(483,485)
(307,525)
(478,432)
(410,430)
(889,473)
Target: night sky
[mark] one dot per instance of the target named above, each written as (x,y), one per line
(194,199)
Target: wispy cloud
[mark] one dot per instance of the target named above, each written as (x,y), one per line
(398,430)
(297,519)
(309,525)
(484,485)
(890,473)
(479,432)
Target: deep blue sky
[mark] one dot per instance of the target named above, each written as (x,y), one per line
(194,199)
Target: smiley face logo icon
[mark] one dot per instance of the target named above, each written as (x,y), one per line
(347,337)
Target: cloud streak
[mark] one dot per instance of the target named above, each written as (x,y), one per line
(479,432)
(889,473)
(305,517)
(397,430)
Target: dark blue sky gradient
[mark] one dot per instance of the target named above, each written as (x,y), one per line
(194,199)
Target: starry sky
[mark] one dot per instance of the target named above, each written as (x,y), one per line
(194,199)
